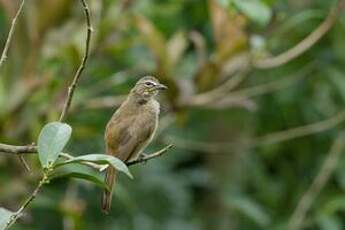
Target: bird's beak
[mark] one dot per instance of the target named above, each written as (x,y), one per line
(161,87)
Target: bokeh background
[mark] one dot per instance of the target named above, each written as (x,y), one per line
(238,162)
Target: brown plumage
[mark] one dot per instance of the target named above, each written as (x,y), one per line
(131,128)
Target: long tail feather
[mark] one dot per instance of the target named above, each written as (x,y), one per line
(107,194)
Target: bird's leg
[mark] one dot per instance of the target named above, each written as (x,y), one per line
(142,156)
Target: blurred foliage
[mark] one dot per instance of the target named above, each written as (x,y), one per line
(212,179)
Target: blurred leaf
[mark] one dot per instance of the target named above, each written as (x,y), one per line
(295,20)
(2,96)
(250,209)
(338,79)
(100,159)
(53,12)
(154,40)
(5,216)
(336,203)
(256,10)
(80,175)
(228,31)
(329,223)
(176,46)
(51,141)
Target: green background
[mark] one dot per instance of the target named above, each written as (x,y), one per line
(227,169)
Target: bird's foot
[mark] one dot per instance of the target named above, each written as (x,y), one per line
(142,156)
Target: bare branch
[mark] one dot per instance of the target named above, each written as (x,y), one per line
(44,180)
(149,156)
(268,139)
(17,150)
(4,148)
(101,168)
(301,131)
(305,44)
(215,94)
(77,75)
(18,213)
(220,96)
(10,33)
(90,164)
(319,182)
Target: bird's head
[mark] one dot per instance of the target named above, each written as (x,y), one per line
(148,87)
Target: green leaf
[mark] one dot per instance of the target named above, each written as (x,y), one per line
(338,79)
(255,10)
(294,21)
(100,159)
(51,141)
(80,175)
(334,204)
(250,209)
(5,216)
(329,223)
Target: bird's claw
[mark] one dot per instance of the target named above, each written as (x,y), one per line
(142,156)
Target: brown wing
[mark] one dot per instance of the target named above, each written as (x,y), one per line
(126,137)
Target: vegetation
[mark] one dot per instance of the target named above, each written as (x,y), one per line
(254,111)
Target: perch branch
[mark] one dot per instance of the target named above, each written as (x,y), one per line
(304,204)
(10,33)
(305,44)
(90,164)
(12,149)
(4,148)
(44,180)
(149,156)
(77,75)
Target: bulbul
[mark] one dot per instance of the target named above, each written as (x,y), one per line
(131,128)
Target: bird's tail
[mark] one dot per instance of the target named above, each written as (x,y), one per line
(107,194)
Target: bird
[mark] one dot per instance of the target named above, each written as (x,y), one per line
(131,129)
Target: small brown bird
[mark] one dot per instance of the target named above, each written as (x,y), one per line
(131,128)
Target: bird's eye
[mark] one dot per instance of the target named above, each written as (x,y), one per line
(148,83)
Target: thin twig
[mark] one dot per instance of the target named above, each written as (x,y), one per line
(220,94)
(18,213)
(215,94)
(12,149)
(23,162)
(149,156)
(300,131)
(272,138)
(10,33)
(305,44)
(268,139)
(275,85)
(304,204)
(98,167)
(77,75)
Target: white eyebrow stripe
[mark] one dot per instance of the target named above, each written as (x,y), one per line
(152,82)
